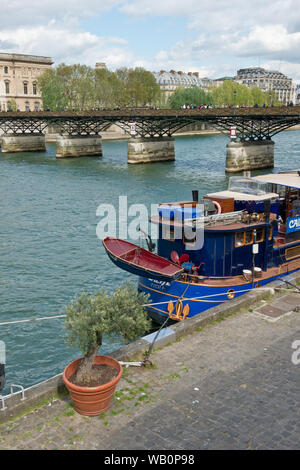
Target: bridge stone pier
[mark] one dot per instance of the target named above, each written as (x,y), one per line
(26,142)
(78,146)
(249,155)
(151,149)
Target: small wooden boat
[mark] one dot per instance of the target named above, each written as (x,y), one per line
(139,261)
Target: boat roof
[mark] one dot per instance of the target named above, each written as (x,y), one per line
(243,196)
(290,179)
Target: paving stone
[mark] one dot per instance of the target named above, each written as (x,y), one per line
(230,386)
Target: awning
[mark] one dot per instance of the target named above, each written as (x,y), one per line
(290,179)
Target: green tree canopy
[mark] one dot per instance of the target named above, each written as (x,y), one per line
(187,96)
(231,93)
(52,90)
(81,87)
(140,86)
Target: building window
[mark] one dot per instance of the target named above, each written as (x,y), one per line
(27,106)
(25,88)
(6,69)
(36,106)
(7,88)
(34,88)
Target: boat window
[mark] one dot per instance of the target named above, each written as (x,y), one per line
(248,237)
(270,233)
(260,235)
(247,185)
(239,239)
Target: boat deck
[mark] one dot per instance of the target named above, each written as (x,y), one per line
(241,279)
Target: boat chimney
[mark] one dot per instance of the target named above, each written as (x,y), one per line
(195,195)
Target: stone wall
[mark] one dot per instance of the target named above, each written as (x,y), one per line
(148,150)
(23,143)
(74,146)
(253,155)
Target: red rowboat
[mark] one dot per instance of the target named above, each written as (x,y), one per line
(139,261)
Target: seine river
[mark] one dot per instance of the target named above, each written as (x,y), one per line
(49,250)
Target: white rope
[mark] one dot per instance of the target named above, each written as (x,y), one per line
(30,320)
(144,305)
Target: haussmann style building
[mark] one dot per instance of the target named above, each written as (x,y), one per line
(18,81)
(268,80)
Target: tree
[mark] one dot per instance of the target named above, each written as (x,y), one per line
(12,105)
(109,89)
(231,93)
(90,317)
(140,86)
(77,83)
(52,90)
(195,96)
(81,87)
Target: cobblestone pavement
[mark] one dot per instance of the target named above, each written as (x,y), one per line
(231,385)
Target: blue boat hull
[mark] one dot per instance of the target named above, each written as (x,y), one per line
(199,297)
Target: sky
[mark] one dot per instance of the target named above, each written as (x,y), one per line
(212,37)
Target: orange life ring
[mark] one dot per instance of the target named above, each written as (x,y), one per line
(218,207)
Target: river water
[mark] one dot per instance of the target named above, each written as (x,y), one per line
(49,250)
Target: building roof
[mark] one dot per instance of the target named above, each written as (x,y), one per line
(25,58)
(178,78)
(254,71)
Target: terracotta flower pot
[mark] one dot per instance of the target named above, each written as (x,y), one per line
(92,401)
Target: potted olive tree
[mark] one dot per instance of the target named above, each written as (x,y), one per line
(92,380)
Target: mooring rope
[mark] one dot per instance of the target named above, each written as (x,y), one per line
(28,320)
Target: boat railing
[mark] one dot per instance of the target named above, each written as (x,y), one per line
(216,219)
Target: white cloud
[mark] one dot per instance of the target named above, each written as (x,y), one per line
(219,36)
(16,13)
(272,41)
(65,45)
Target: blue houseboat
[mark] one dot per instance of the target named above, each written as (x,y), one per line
(212,250)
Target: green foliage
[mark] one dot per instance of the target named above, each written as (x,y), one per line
(80,87)
(89,317)
(140,86)
(109,90)
(52,90)
(12,105)
(233,94)
(188,96)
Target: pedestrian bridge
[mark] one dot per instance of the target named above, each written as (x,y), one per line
(151,131)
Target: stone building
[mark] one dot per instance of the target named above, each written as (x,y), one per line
(268,80)
(169,81)
(18,81)
(297,94)
(100,65)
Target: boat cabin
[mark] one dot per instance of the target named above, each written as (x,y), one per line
(255,223)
